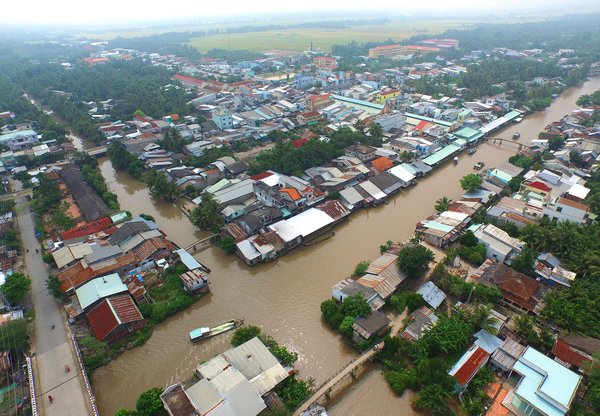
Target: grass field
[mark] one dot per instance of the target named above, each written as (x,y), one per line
(300,39)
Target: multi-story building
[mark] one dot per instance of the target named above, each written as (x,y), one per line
(222,118)
(325,62)
(317,102)
(19,139)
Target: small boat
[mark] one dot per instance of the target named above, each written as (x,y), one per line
(516,136)
(471,150)
(455,160)
(206,332)
(478,165)
(518,119)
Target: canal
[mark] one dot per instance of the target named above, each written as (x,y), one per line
(283,297)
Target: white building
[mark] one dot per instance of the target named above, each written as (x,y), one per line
(19,139)
(565,209)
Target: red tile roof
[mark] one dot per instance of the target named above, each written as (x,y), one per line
(74,276)
(573,204)
(299,143)
(382,164)
(87,229)
(319,97)
(292,192)
(541,186)
(260,176)
(112,312)
(422,125)
(190,80)
(471,366)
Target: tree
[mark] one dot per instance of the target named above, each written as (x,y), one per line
(228,245)
(468,239)
(345,326)
(331,312)
(14,335)
(53,285)
(482,318)
(173,141)
(125,412)
(207,215)
(442,204)
(556,143)
(356,305)
(243,334)
(361,268)
(16,288)
(406,156)
(433,398)
(575,158)
(414,260)
(149,403)
(375,131)
(471,182)
(524,261)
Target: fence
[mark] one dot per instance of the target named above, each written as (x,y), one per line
(88,386)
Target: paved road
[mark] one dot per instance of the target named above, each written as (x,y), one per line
(51,346)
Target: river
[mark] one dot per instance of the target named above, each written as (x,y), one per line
(283,297)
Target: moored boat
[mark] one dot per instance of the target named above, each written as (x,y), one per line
(471,150)
(206,332)
(516,136)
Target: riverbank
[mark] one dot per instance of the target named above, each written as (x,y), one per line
(292,287)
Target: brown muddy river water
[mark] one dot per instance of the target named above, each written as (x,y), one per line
(283,297)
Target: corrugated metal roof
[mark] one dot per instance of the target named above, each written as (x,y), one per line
(99,288)
(469,364)
(372,190)
(441,154)
(351,196)
(432,294)
(309,221)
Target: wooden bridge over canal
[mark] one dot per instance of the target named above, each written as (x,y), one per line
(326,389)
(500,141)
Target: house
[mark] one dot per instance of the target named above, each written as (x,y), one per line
(576,351)
(468,366)
(325,62)
(518,290)
(363,329)
(309,117)
(442,229)
(222,118)
(318,102)
(361,151)
(349,287)
(499,245)
(405,177)
(114,318)
(383,275)
(233,383)
(548,268)
(19,139)
(89,202)
(195,280)
(505,357)
(388,183)
(422,320)
(98,289)
(544,387)
(432,294)
(564,209)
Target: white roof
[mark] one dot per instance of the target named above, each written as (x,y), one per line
(372,190)
(578,191)
(248,250)
(351,195)
(99,288)
(460,216)
(310,221)
(272,179)
(188,260)
(401,173)
(432,294)
(285,230)
(67,254)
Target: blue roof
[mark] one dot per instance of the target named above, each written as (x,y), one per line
(546,384)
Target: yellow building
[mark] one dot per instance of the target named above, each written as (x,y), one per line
(387,94)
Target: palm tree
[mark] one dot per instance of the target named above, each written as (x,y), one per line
(406,156)
(483,319)
(442,204)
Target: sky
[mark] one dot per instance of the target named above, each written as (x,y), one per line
(83,12)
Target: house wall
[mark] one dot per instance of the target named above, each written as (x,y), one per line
(123,330)
(563,213)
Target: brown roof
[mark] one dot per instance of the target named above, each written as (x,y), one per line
(112,312)
(382,164)
(74,276)
(149,248)
(114,264)
(471,366)
(573,204)
(334,209)
(584,343)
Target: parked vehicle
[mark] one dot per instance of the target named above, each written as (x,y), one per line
(478,165)
(471,150)
(516,136)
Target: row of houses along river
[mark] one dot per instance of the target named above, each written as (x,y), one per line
(283,296)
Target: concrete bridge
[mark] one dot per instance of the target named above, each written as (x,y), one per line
(97,151)
(326,389)
(201,244)
(500,141)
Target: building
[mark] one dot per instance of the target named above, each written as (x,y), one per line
(468,366)
(362,152)
(376,324)
(19,139)
(318,102)
(422,320)
(548,268)
(92,206)
(392,51)
(564,209)
(442,229)
(577,351)
(383,275)
(387,94)
(349,287)
(98,289)
(518,290)
(234,383)
(309,117)
(325,62)
(544,388)
(222,118)
(499,245)
(432,294)
(505,357)
(114,318)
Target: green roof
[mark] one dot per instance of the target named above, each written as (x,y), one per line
(503,176)
(438,226)
(512,115)
(15,134)
(468,133)
(459,142)
(441,154)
